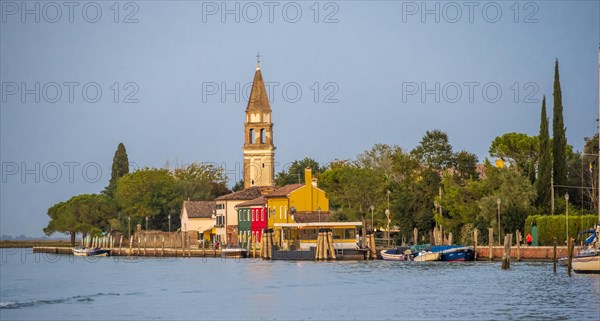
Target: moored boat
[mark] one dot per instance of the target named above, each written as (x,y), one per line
(234,252)
(428,256)
(87,251)
(397,254)
(588,262)
(464,253)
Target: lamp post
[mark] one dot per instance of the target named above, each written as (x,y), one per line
(499,230)
(567,214)
(146,223)
(129,227)
(372,225)
(169,216)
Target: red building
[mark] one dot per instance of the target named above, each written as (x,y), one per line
(253,219)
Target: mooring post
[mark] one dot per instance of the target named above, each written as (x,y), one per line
(162,252)
(491,241)
(475,240)
(120,242)
(130,245)
(506,254)
(570,246)
(518,246)
(554,256)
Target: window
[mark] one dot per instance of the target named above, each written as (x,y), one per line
(262,215)
(285,213)
(251,136)
(263,136)
(248,215)
(275,210)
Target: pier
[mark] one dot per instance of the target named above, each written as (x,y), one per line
(531,253)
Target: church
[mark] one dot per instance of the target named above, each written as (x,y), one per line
(259,172)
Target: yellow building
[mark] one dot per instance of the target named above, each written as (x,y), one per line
(298,203)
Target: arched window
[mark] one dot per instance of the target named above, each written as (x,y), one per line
(251,136)
(263,136)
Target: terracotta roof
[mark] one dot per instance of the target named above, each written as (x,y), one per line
(284,191)
(258,95)
(199,209)
(249,193)
(259,201)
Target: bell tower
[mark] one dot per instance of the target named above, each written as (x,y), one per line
(259,151)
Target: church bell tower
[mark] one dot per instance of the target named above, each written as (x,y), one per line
(259,151)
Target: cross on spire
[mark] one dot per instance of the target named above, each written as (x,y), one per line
(258,58)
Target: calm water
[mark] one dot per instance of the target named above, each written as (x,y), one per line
(63,287)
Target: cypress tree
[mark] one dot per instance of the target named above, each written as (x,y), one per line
(559,165)
(545,161)
(120,168)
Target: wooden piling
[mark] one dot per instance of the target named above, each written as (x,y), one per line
(120,243)
(491,241)
(270,244)
(130,245)
(518,238)
(145,244)
(331,248)
(506,254)
(554,257)
(318,248)
(570,248)
(475,240)
(162,252)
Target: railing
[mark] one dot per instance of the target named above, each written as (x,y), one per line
(385,242)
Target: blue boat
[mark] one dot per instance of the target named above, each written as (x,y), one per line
(460,253)
(449,253)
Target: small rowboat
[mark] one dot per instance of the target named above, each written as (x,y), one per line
(397,254)
(85,251)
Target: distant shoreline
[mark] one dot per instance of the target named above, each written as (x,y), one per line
(32,243)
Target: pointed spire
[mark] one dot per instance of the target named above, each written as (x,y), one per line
(258,94)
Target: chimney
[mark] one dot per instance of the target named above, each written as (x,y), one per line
(307,176)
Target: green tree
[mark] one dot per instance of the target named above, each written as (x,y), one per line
(466,166)
(62,220)
(239,185)
(519,150)
(201,182)
(590,164)
(434,150)
(559,143)
(150,192)
(295,173)
(81,213)
(516,195)
(544,175)
(120,168)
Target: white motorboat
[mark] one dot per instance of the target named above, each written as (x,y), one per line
(428,256)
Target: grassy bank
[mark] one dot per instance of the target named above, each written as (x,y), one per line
(32,243)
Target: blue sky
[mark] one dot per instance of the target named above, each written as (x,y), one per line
(361,67)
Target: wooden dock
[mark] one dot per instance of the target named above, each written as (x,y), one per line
(151,252)
(529,253)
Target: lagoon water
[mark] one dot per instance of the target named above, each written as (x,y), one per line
(63,287)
